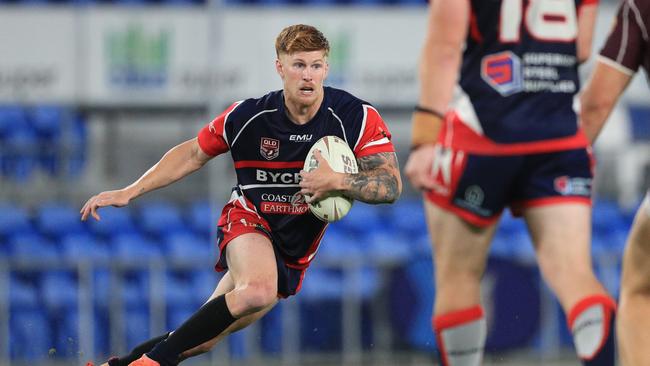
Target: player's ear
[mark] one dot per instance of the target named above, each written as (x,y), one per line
(278,68)
(327,69)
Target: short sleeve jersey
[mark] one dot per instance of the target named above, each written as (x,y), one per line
(628,45)
(519,74)
(269,150)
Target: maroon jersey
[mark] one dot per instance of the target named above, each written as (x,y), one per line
(628,45)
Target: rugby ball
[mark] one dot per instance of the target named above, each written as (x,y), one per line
(338,155)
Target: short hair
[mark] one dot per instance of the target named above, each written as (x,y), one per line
(301,38)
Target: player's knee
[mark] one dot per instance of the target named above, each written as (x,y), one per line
(258,295)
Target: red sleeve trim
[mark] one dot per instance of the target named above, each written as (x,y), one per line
(211,137)
(374,136)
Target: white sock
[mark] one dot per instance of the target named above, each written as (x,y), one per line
(461,337)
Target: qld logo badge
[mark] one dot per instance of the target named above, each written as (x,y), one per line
(269,148)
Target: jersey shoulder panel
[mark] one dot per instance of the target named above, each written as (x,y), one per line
(366,132)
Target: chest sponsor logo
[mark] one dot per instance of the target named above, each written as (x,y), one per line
(284,204)
(301,138)
(269,148)
(277,177)
(502,72)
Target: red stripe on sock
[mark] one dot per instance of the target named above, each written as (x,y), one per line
(452,319)
(458,317)
(589,301)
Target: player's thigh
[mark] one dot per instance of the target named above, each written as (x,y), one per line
(636,260)
(459,248)
(251,259)
(561,234)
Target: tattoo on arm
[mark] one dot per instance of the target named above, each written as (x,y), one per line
(378,180)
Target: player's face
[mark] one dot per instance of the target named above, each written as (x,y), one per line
(303,74)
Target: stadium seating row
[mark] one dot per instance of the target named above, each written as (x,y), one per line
(44,293)
(156,228)
(48,138)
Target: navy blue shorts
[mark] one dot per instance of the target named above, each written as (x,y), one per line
(478,187)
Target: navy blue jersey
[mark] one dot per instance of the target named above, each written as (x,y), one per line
(269,150)
(518,76)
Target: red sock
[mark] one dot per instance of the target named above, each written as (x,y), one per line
(461,336)
(591,322)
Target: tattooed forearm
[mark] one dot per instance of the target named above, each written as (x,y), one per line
(378,180)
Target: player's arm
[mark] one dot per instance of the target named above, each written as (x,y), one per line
(439,67)
(586,20)
(177,163)
(599,97)
(378,179)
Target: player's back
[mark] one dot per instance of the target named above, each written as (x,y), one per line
(520,71)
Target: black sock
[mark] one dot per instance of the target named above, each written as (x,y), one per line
(137,352)
(208,322)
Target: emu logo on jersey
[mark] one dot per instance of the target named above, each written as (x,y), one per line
(269,148)
(502,71)
(300,138)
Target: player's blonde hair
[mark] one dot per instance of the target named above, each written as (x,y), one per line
(301,38)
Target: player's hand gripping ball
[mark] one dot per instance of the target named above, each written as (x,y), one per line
(341,159)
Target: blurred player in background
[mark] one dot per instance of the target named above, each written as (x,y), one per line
(626,49)
(494,128)
(266,234)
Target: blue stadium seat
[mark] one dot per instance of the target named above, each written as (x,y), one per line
(22,294)
(639,117)
(182,2)
(177,315)
(11,118)
(32,247)
(113,221)
(19,152)
(31,335)
(186,246)
(336,247)
(321,284)
(408,217)
(606,217)
(383,248)
(135,289)
(203,282)
(47,121)
(134,248)
(57,219)
(137,326)
(361,218)
(201,217)
(47,126)
(59,291)
(178,292)
(83,246)
(13,220)
(160,218)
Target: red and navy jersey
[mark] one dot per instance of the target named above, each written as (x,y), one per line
(269,151)
(628,45)
(518,78)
